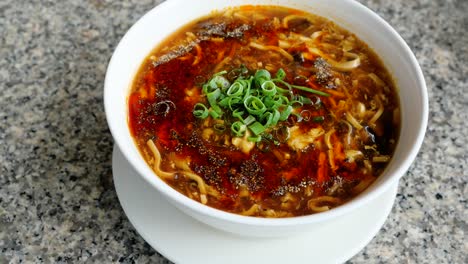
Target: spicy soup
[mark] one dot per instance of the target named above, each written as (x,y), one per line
(265,111)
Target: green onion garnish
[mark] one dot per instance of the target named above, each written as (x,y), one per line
(256,103)
(200,111)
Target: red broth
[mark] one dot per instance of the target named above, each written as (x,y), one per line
(325,153)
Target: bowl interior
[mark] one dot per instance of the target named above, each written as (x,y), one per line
(166,18)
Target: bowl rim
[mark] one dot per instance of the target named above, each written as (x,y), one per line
(358,201)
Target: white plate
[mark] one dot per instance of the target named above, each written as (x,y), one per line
(182,239)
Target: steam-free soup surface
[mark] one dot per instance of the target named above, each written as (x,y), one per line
(328,146)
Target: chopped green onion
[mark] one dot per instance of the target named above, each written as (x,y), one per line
(265,100)
(238,128)
(285,113)
(235,89)
(200,111)
(257,128)
(249,120)
(262,76)
(319,119)
(310,90)
(219,82)
(255,139)
(213,97)
(254,105)
(269,88)
(276,117)
(220,128)
(238,113)
(280,74)
(267,118)
(215,112)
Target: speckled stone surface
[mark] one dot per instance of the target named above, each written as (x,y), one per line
(57,199)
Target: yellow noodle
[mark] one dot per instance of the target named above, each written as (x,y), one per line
(221,64)
(200,183)
(353,121)
(361,109)
(199,55)
(270,213)
(327,138)
(276,23)
(228,13)
(352,155)
(251,211)
(198,180)
(273,48)
(368,166)
(241,16)
(318,209)
(288,197)
(257,16)
(300,37)
(376,79)
(190,36)
(286,19)
(331,159)
(186,57)
(284,44)
(217,39)
(378,113)
(157,161)
(349,134)
(347,65)
(363,185)
(244,192)
(316,34)
(315,51)
(380,159)
(313,203)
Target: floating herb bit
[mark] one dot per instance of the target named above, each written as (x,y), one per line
(251,102)
(319,119)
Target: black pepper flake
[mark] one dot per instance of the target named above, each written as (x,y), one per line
(210,175)
(323,73)
(252,174)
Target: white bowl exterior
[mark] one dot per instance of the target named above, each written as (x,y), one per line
(169,16)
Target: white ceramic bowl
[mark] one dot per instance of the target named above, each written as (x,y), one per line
(169,16)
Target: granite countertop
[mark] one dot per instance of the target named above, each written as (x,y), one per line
(57,199)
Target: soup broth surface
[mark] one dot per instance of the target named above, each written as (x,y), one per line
(326,148)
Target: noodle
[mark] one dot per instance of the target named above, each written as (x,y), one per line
(328,138)
(353,121)
(376,79)
(161,173)
(348,65)
(349,134)
(251,211)
(291,17)
(363,185)
(378,113)
(199,55)
(273,48)
(316,35)
(157,161)
(314,203)
(198,179)
(220,65)
(381,159)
